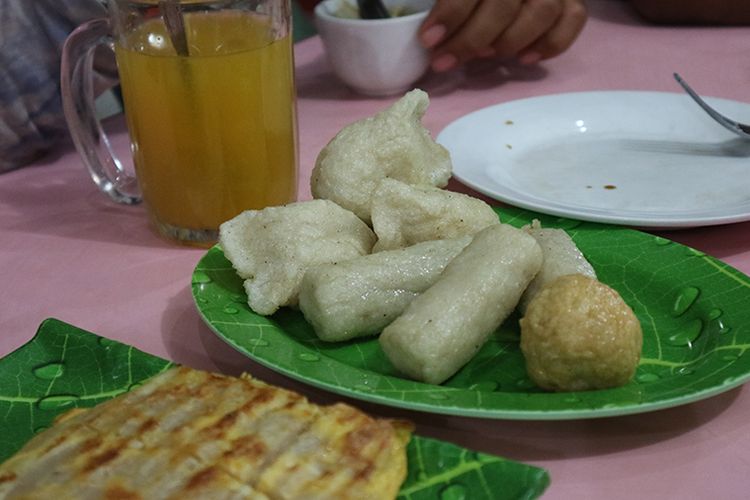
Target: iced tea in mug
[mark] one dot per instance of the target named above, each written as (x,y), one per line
(213,130)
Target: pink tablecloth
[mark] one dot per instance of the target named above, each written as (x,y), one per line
(67,252)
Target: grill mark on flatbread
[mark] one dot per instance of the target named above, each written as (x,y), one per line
(147,426)
(322,476)
(273,432)
(102,459)
(7,477)
(190,434)
(120,493)
(202,477)
(58,444)
(229,439)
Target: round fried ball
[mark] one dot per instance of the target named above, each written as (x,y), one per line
(578,334)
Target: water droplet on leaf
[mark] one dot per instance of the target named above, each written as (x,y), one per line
(687,335)
(685,298)
(49,371)
(201,278)
(647,377)
(722,328)
(56,402)
(715,313)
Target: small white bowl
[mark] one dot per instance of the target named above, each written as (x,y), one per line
(377,57)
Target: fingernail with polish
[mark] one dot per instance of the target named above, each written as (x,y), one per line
(433,35)
(444,62)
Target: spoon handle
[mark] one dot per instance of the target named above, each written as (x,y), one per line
(172,13)
(372,9)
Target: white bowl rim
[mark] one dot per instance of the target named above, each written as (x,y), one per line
(322,12)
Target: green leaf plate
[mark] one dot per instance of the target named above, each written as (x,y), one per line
(64,367)
(694,311)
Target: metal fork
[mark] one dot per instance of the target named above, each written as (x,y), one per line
(738,128)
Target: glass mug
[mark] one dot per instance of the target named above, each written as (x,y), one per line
(209,100)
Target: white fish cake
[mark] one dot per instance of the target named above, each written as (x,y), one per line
(393,143)
(403,215)
(361,296)
(443,328)
(272,248)
(561,257)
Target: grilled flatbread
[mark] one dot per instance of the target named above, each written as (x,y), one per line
(192,434)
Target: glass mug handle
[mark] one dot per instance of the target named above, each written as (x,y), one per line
(77,86)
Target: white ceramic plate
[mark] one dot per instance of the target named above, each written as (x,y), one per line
(650,159)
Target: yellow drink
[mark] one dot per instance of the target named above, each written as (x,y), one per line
(213,133)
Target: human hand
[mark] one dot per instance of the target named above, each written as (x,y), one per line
(531,30)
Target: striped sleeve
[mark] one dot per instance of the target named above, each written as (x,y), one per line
(31,38)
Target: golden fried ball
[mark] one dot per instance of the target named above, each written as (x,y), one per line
(578,334)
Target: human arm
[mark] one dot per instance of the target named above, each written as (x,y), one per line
(531,30)
(31,38)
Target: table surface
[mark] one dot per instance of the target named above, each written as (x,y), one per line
(68,252)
